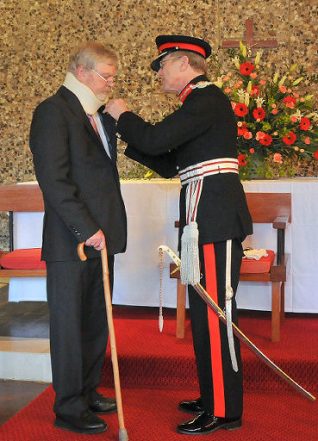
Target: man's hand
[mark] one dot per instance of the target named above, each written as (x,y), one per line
(97,241)
(116,107)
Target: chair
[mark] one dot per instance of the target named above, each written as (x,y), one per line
(20,263)
(268,208)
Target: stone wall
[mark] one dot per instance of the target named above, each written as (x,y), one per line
(37,36)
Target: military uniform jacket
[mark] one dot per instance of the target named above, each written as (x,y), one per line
(203,128)
(79,181)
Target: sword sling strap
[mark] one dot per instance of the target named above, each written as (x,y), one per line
(228,304)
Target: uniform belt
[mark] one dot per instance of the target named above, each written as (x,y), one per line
(207,168)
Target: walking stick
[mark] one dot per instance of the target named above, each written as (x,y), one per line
(222,317)
(123,436)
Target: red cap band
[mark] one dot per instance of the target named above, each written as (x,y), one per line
(185,46)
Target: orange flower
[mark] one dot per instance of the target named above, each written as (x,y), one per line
(304,124)
(242,160)
(246,68)
(241,128)
(266,140)
(289,101)
(241,109)
(248,135)
(254,91)
(278,158)
(259,113)
(290,138)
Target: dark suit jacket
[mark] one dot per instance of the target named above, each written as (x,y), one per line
(203,128)
(80,183)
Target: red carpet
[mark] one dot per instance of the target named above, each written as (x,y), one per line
(157,371)
(151,415)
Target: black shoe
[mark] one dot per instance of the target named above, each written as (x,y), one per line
(102,404)
(87,423)
(207,423)
(193,406)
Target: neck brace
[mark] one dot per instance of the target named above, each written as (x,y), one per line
(85,95)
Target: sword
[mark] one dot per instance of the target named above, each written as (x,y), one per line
(210,302)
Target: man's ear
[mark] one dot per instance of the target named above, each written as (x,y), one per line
(80,72)
(184,63)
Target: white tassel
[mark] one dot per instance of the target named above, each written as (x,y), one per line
(190,265)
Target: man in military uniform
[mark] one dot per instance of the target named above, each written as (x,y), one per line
(198,142)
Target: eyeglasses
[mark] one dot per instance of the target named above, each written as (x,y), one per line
(101,76)
(164,61)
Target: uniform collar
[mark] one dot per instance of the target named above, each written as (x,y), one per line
(188,88)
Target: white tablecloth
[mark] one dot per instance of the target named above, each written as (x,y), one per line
(152,208)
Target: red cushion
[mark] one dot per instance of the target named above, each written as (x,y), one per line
(23,259)
(262,265)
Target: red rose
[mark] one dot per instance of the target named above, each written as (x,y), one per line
(289,101)
(259,113)
(242,160)
(266,140)
(242,129)
(240,109)
(290,138)
(315,155)
(304,124)
(254,91)
(246,68)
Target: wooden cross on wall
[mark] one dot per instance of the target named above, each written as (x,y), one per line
(249,39)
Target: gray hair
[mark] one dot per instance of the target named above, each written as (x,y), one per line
(197,62)
(91,53)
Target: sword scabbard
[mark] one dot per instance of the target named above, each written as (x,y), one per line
(240,335)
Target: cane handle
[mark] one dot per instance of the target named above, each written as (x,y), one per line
(81,252)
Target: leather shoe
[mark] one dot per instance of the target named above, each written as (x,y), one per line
(102,404)
(87,423)
(207,423)
(192,406)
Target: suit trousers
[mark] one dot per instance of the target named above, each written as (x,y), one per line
(78,331)
(221,388)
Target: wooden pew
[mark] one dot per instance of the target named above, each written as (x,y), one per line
(20,198)
(268,208)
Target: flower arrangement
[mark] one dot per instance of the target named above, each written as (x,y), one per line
(277,125)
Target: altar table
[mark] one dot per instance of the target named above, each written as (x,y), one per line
(152,208)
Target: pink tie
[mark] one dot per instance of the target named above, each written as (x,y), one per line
(93,122)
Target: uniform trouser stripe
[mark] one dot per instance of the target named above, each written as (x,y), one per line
(214,330)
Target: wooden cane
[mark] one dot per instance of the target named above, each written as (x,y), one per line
(123,435)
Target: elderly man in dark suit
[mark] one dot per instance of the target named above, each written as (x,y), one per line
(74,152)
(198,142)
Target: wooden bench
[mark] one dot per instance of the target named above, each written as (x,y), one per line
(268,208)
(20,198)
